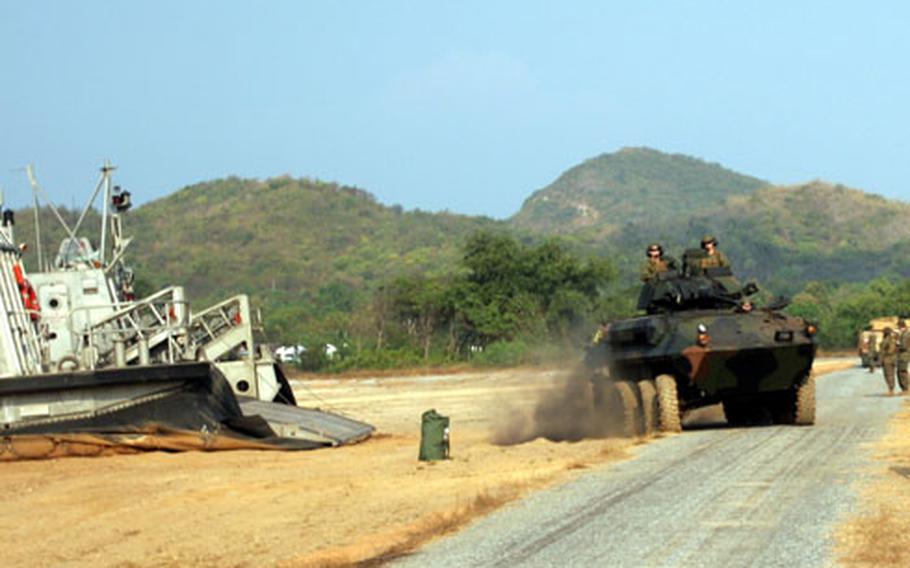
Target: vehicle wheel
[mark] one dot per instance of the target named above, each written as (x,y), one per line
(650,409)
(625,405)
(668,416)
(782,407)
(805,403)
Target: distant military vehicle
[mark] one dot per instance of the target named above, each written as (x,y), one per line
(703,342)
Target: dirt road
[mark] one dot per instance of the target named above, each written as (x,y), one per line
(765,496)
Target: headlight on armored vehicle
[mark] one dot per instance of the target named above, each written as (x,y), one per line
(811,330)
(783,335)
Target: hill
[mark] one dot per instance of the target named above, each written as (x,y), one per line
(308,250)
(289,235)
(637,186)
(303,248)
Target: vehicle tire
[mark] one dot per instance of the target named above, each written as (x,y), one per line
(805,403)
(650,409)
(782,407)
(668,415)
(626,407)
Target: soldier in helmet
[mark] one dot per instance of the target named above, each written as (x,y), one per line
(713,257)
(889,357)
(657,262)
(903,355)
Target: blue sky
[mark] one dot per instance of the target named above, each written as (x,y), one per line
(469,106)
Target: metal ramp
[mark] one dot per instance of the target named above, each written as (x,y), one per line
(223,334)
(222,328)
(307,423)
(151,328)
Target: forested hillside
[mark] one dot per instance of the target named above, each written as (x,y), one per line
(634,186)
(289,235)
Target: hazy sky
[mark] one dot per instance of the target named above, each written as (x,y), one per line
(468,107)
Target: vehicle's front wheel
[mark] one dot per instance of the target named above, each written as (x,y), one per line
(668,416)
(805,403)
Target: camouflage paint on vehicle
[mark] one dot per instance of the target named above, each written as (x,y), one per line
(746,353)
(704,332)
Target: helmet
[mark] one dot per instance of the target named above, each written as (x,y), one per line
(654,247)
(708,239)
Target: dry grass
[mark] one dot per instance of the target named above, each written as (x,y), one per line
(880,538)
(377,373)
(879,535)
(824,367)
(404,541)
(453,369)
(379,548)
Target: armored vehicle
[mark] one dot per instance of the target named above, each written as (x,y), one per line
(703,342)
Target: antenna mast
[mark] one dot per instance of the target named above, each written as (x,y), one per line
(106,180)
(36,205)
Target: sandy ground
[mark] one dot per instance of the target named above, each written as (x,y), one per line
(329,507)
(879,535)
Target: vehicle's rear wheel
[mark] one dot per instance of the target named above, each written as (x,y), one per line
(795,406)
(650,408)
(783,408)
(668,415)
(805,403)
(625,405)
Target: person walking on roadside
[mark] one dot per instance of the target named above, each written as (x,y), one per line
(889,358)
(903,355)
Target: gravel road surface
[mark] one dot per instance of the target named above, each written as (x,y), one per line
(712,496)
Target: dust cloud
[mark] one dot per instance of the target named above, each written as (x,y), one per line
(563,412)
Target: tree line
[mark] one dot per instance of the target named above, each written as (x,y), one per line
(841,311)
(504,302)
